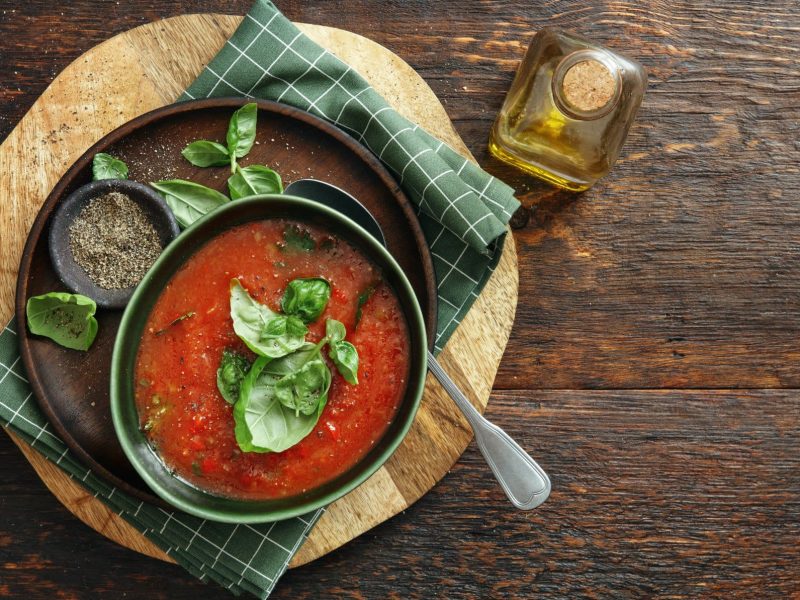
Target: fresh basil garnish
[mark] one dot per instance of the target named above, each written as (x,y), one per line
(203,153)
(105,166)
(334,331)
(188,200)
(297,239)
(306,298)
(302,390)
(67,319)
(265,332)
(345,356)
(253,180)
(263,422)
(283,394)
(283,334)
(363,298)
(232,369)
(241,132)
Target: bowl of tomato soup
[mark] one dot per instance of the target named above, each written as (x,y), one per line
(270,361)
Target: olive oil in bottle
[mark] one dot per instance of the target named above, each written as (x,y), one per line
(568,111)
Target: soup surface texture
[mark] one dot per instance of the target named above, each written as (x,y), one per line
(182,412)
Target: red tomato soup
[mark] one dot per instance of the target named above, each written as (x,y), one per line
(184,415)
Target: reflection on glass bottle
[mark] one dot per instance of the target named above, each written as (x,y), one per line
(568,111)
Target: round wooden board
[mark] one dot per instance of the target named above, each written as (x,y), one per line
(148,67)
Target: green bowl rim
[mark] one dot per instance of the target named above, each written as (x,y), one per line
(230,516)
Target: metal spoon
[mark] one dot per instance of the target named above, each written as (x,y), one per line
(522,479)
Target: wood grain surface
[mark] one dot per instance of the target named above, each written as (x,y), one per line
(643,302)
(139,73)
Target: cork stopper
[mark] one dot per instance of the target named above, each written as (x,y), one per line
(588,86)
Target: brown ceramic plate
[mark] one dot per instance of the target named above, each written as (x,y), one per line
(73,387)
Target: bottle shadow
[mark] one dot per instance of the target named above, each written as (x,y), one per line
(541,202)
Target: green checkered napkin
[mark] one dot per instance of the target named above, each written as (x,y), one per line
(463,212)
(238,557)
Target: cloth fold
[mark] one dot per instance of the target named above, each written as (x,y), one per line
(462,209)
(463,212)
(269,57)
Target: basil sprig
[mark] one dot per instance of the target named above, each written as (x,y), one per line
(345,356)
(281,396)
(67,319)
(281,400)
(265,332)
(189,201)
(263,423)
(105,166)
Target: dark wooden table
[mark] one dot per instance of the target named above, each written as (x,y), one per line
(654,365)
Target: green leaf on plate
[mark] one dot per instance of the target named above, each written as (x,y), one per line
(67,319)
(242,132)
(253,180)
(188,200)
(203,153)
(105,166)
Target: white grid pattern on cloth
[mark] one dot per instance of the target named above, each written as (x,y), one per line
(59,454)
(412,159)
(464,164)
(374,115)
(445,267)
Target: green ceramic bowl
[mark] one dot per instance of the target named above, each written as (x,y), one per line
(178,492)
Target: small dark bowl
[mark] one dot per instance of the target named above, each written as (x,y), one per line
(70,272)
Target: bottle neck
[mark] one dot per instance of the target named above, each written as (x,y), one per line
(586,84)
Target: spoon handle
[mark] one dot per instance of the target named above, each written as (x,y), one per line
(522,479)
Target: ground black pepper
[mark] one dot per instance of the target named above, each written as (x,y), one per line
(113,240)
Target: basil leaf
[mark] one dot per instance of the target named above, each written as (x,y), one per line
(253,180)
(363,298)
(188,200)
(297,239)
(67,319)
(345,356)
(232,369)
(263,423)
(105,166)
(265,332)
(283,334)
(306,298)
(302,390)
(203,153)
(242,131)
(334,331)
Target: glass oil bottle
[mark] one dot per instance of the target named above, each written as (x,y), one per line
(568,111)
